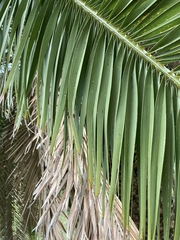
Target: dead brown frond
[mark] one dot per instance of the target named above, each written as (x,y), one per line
(70,209)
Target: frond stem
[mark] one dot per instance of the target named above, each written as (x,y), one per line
(133,45)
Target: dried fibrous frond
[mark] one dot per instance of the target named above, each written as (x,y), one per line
(70,209)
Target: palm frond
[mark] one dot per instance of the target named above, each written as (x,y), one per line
(107,68)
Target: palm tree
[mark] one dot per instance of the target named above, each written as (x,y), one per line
(87,87)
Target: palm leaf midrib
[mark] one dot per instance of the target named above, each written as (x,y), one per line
(130,43)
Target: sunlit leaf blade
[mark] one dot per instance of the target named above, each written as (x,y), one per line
(129,143)
(177,177)
(64,83)
(56,46)
(146,136)
(168,39)
(4,31)
(168,167)
(21,47)
(155,168)
(93,96)
(120,6)
(103,98)
(44,85)
(157,18)
(115,92)
(136,12)
(74,75)
(119,127)
(85,81)
(141,76)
